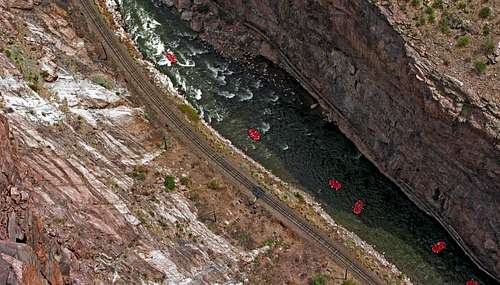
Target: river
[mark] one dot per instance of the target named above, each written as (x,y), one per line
(297,144)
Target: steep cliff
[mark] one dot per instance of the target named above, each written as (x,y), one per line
(26,255)
(435,137)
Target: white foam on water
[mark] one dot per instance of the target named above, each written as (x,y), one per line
(163,61)
(217,73)
(246,95)
(197,94)
(196,51)
(257,84)
(265,127)
(227,94)
(273,96)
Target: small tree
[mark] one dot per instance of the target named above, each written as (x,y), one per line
(485,12)
(463,41)
(480,67)
(169,183)
(318,280)
(214,184)
(489,46)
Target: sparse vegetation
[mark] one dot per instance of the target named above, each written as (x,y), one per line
(485,12)
(486,30)
(141,216)
(463,41)
(101,80)
(163,223)
(461,5)
(349,282)
(271,242)
(169,183)
(191,113)
(184,180)
(299,197)
(318,280)
(480,67)
(139,172)
(444,24)
(437,4)
(489,46)
(431,14)
(416,3)
(214,184)
(421,21)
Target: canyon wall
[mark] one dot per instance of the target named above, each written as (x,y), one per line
(437,139)
(26,256)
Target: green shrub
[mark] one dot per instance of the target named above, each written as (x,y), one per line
(489,46)
(485,12)
(169,183)
(444,24)
(102,81)
(431,14)
(184,180)
(416,3)
(214,184)
(438,4)
(463,41)
(299,197)
(35,85)
(461,5)
(318,280)
(190,112)
(480,67)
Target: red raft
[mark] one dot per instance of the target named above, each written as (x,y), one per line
(254,134)
(472,282)
(171,57)
(438,247)
(334,184)
(358,207)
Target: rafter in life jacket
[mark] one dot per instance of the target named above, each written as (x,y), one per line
(472,282)
(334,184)
(253,134)
(171,57)
(358,207)
(438,247)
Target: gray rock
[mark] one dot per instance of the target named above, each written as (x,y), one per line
(187,15)
(169,3)
(183,5)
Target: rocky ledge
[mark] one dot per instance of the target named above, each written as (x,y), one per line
(430,133)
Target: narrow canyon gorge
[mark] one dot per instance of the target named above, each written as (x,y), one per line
(435,136)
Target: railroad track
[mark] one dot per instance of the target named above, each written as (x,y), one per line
(156,99)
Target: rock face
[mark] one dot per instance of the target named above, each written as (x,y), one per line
(437,139)
(23,246)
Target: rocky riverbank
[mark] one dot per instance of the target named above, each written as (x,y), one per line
(435,136)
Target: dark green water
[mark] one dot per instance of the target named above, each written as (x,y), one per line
(298,145)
